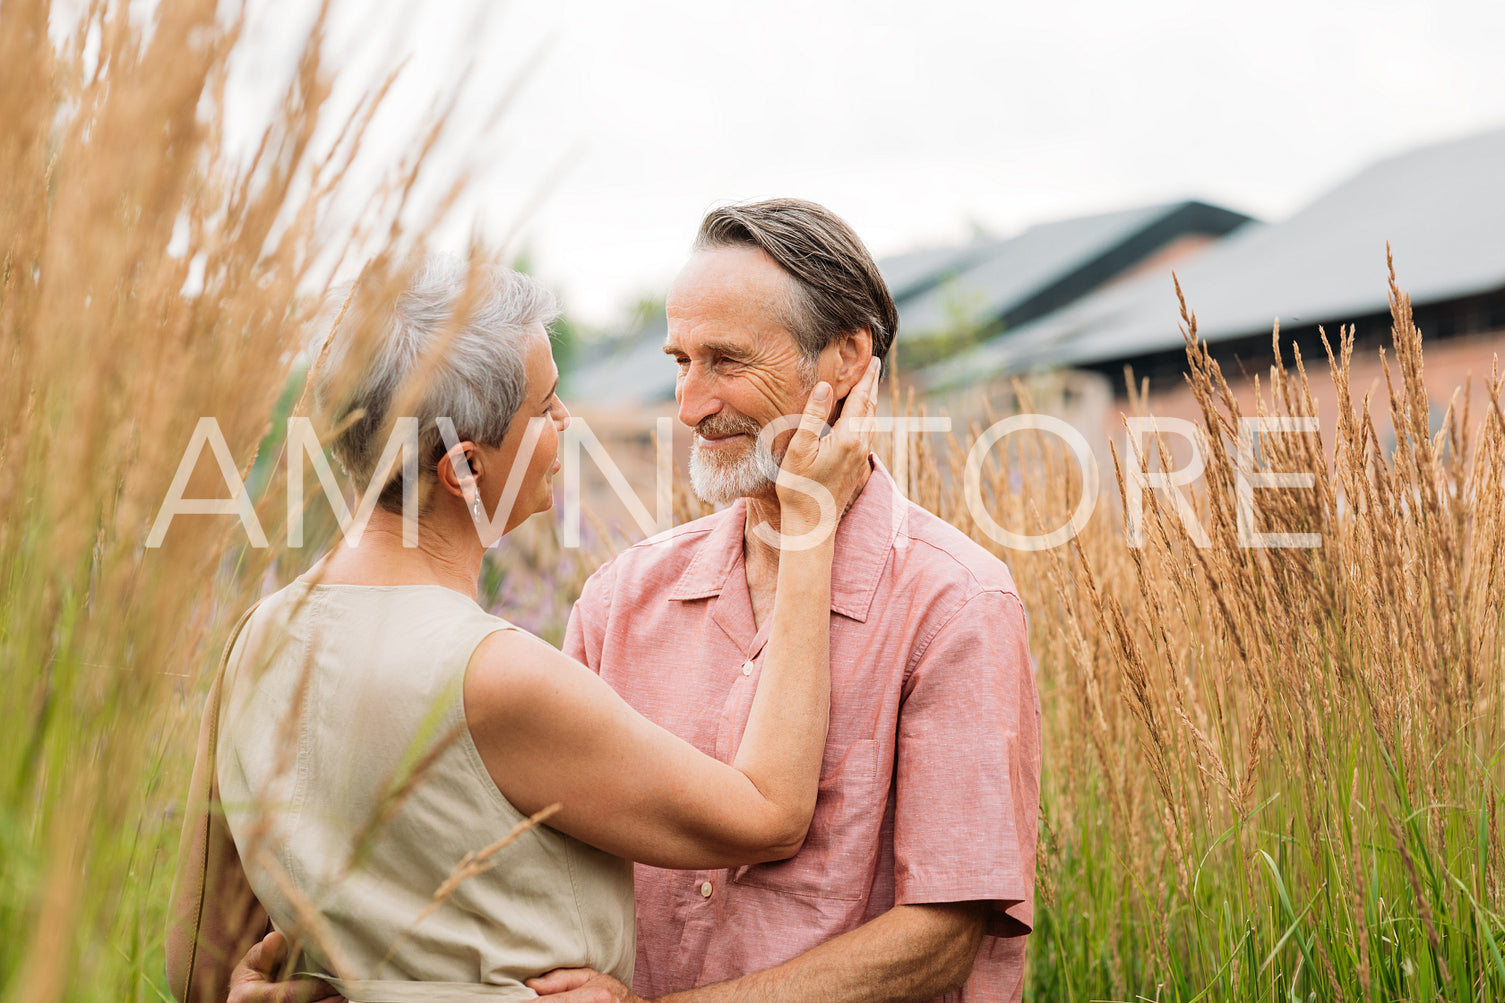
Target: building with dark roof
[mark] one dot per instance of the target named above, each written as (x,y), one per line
(995,285)
(1441,208)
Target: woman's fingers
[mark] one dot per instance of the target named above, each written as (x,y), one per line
(802,454)
(817,410)
(851,437)
(862,403)
(837,461)
(252,980)
(827,458)
(559,980)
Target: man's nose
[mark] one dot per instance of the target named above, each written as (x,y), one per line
(696,396)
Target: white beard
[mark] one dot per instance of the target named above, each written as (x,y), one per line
(720,482)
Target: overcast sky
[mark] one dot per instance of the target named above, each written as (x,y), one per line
(918,123)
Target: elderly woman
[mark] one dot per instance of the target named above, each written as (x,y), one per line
(380,730)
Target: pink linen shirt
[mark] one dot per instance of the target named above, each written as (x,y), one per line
(929,791)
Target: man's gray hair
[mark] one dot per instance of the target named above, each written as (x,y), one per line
(458,333)
(837,286)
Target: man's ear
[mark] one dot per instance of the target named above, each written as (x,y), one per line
(458,470)
(852,352)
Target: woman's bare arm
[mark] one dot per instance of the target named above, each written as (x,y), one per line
(550,730)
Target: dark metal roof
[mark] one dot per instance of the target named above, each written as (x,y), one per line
(1441,208)
(915,272)
(1009,282)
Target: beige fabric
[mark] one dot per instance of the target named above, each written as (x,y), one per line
(335,695)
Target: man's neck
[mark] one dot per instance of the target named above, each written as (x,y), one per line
(762,510)
(760,557)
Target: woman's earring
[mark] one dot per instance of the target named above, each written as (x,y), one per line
(475,508)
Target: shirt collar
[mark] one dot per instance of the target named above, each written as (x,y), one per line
(864,539)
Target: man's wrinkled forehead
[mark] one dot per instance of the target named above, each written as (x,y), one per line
(732,281)
(708,344)
(744,328)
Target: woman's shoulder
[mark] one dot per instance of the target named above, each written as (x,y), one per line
(414,597)
(408,620)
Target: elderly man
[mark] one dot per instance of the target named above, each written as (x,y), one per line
(916,880)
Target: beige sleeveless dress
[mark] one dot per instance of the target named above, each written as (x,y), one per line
(354,792)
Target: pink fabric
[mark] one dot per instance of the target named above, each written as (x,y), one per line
(930,787)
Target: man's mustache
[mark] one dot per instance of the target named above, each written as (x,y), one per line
(719,426)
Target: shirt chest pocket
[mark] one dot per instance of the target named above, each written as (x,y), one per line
(841,850)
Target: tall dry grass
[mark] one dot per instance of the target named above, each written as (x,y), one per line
(1274,773)
(148,277)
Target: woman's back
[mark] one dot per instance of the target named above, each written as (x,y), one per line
(353,789)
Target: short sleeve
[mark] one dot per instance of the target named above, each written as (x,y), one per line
(967,774)
(585,633)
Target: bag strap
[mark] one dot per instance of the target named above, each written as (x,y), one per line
(205,845)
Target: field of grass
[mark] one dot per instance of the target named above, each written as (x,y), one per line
(1270,774)
(1277,773)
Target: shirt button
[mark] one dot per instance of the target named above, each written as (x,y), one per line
(747,667)
(706,889)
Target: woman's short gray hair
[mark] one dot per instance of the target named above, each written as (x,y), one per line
(461,329)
